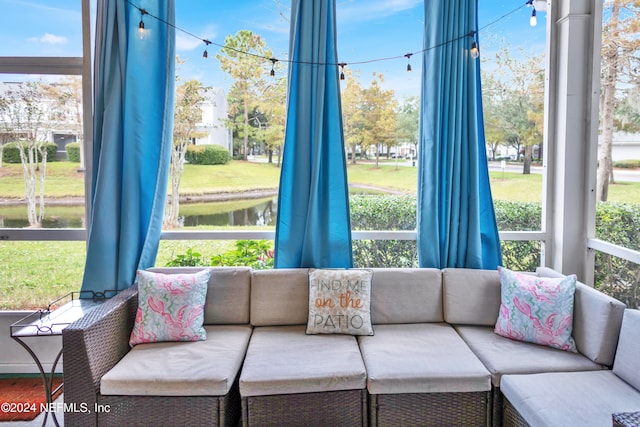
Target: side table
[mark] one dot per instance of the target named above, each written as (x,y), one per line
(50,322)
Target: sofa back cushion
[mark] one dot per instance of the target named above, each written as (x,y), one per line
(279,297)
(406,295)
(627,360)
(398,295)
(596,321)
(471,297)
(227,301)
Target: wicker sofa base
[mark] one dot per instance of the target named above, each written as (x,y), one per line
(222,411)
(334,408)
(429,409)
(511,417)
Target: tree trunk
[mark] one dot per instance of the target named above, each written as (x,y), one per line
(526,168)
(353,154)
(605,167)
(246,128)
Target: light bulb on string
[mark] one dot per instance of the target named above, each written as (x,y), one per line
(205,54)
(408,56)
(342,65)
(142,32)
(533,21)
(272,73)
(475,52)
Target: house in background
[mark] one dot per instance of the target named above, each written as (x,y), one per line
(212,127)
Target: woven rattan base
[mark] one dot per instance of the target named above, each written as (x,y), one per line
(511,417)
(333,408)
(170,410)
(429,409)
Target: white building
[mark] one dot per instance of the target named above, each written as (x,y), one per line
(626,146)
(214,114)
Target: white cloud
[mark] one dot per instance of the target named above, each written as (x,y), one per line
(186,42)
(365,11)
(50,39)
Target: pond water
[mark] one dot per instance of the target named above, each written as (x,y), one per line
(236,213)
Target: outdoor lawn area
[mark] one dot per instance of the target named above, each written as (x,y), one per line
(34,272)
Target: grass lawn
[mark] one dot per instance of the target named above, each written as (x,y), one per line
(34,273)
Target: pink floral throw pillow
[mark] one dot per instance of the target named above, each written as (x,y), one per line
(170,307)
(537,309)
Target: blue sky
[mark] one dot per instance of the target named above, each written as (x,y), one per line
(367,29)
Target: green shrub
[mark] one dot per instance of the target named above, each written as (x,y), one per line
(11,152)
(190,259)
(257,254)
(384,213)
(73,152)
(627,164)
(207,155)
(618,223)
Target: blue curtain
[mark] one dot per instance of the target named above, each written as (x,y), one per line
(313,227)
(456,221)
(133,121)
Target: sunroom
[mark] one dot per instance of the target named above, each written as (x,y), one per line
(563,240)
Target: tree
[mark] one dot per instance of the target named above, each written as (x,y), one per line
(353,118)
(272,105)
(492,99)
(242,57)
(520,112)
(187,114)
(380,115)
(408,120)
(26,113)
(620,61)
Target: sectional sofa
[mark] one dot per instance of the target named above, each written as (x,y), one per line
(433,359)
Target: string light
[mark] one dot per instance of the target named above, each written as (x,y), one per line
(408,55)
(533,21)
(474,51)
(342,65)
(141,30)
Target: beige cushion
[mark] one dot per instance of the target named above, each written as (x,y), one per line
(406,295)
(585,399)
(502,356)
(471,297)
(227,300)
(596,321)
(200,368)
(279,297)
(340,301)
(284,360)
(421,358)
(627,363)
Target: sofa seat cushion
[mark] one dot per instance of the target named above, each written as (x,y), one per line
(200,368)
(570,398)
(503,356)
(284,360)
(421,358)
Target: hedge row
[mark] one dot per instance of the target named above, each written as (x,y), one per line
(210,154)
(617,223)
(11,152)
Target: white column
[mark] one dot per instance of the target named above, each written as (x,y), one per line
(574,30)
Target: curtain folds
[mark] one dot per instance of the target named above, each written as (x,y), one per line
(313,227)
(133,121)
(456,223)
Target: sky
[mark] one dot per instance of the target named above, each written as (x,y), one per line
(367,30)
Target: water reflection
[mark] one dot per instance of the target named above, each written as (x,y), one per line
(218,214)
